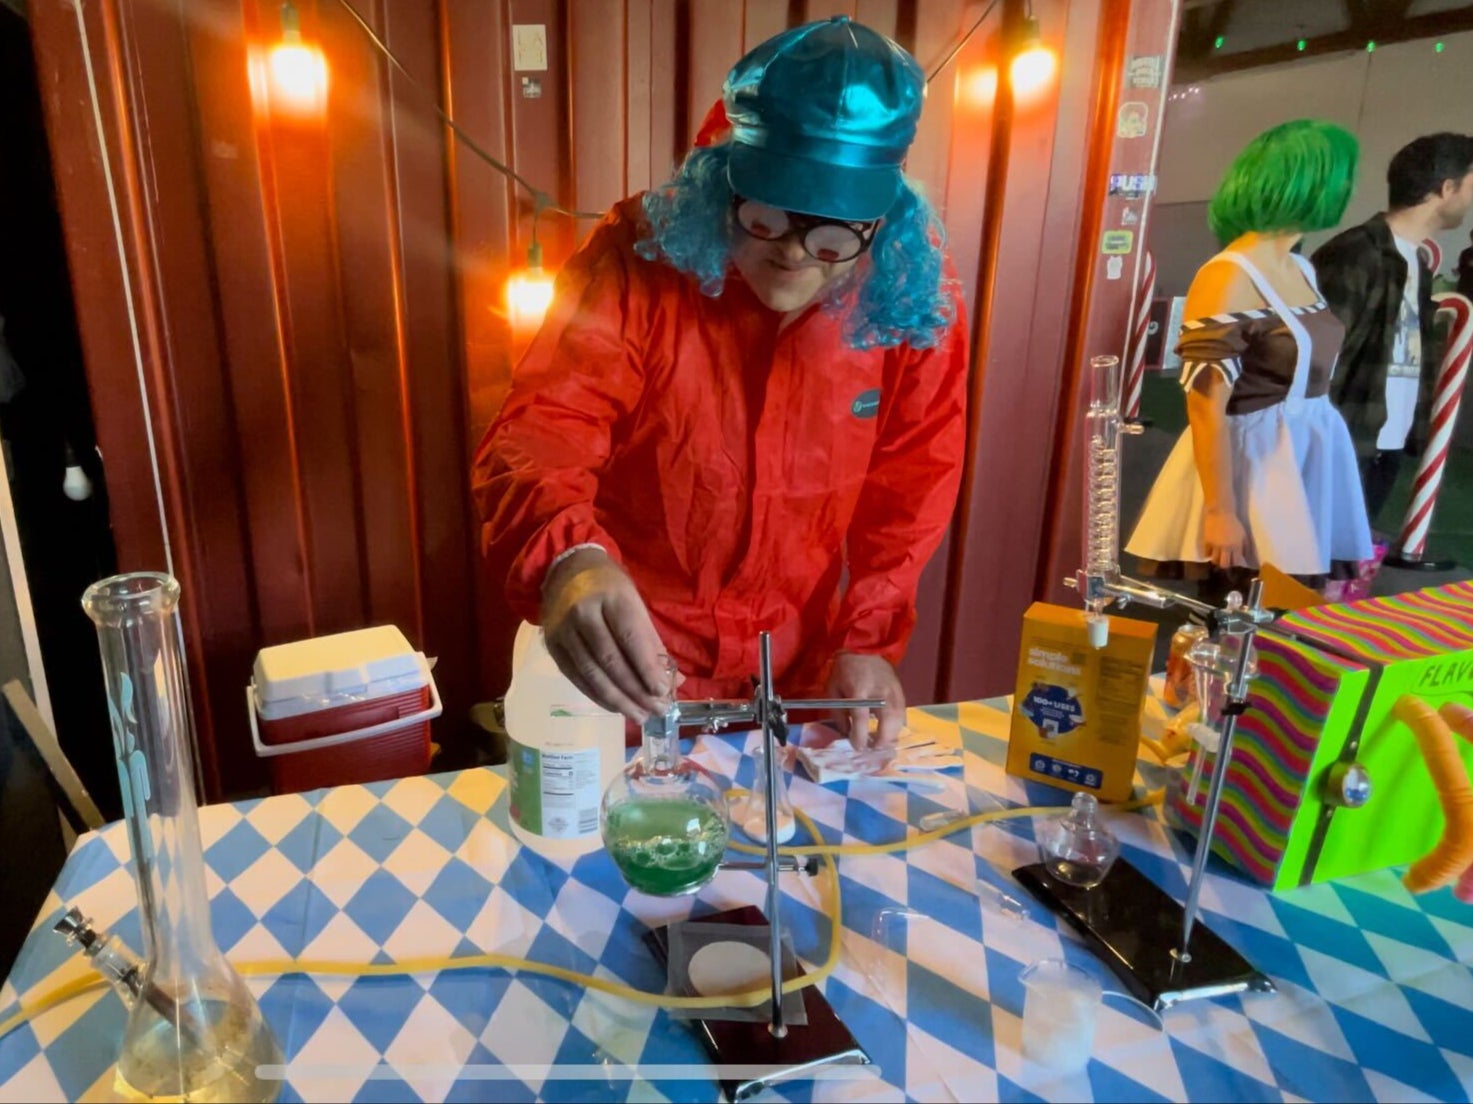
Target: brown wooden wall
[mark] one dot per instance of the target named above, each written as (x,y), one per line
(303,324)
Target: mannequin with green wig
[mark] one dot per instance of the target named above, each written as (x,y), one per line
(1265,472)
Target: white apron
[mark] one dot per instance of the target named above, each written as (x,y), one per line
(1295,477)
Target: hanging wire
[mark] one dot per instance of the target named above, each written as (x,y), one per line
(541,200)
(944,62)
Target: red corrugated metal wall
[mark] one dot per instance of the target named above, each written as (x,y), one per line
(317,310)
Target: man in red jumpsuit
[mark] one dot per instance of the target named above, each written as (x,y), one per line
(745,409)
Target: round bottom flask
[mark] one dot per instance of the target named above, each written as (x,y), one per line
(664,820)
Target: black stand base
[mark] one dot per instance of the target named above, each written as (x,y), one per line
(1135,928)
(767,1060)
(1418,564)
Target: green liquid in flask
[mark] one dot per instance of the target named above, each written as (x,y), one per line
(665,847)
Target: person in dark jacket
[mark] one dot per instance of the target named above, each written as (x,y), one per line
(1377,284)
(1465,270)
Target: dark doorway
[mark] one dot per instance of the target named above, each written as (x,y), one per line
(46,422)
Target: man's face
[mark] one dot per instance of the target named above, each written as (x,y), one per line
(783,274)
(1457,198)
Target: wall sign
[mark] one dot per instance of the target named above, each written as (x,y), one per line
(1133,120)
(1132,185)
(1143,72)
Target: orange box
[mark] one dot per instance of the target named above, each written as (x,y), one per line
(1077,709)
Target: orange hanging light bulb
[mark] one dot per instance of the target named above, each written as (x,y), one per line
(294,83)
(1033,65)
(528,293)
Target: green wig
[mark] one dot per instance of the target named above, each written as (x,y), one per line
(1295,176)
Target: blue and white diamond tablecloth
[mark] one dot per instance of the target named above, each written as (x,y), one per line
(1375,1000)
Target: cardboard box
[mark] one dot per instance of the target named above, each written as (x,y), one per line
(1077,709)
(1329,677)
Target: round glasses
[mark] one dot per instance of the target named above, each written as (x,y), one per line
(828,240)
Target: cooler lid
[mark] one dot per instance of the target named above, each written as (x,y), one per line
(343,663)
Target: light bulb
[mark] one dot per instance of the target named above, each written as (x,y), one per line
(290,81)
(1033,66)
(528,295)
(75,484)
(979,88)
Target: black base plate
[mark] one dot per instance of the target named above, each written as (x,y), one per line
(822,1040)
(1135,928)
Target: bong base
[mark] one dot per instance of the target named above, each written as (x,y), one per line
(1135,928)
(822,1041)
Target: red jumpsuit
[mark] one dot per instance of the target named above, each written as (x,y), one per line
(734,471)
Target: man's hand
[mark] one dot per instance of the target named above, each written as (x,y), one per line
(867,676)
(599,633)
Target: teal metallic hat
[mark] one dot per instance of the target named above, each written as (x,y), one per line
(821,118)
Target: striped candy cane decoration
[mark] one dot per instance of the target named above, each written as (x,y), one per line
(1431,253)
(1445,401)
(1145,290)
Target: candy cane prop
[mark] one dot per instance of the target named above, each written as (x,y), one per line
(1446,399)
(1431,253)
(1145,290)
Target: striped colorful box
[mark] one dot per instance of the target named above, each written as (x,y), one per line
(1328,678)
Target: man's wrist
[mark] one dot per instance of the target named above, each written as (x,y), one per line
(572,560)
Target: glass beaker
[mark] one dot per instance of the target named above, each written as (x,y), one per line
(1061,1005)
(1077,848)
(1213,663)
(749,811)
(196,1032)
(664,819)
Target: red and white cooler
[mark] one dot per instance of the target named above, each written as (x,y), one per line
(342,709)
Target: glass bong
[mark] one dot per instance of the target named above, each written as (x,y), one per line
(195,1031)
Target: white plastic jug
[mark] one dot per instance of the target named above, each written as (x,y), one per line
(563,750)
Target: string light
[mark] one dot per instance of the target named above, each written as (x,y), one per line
(528,293)
(1438,48)
(1370,47)
(979,87)
(1300,45)
(291,81)
(529,290)
(1217,42)
(1032,69)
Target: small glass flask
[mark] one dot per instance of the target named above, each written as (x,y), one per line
(195,1032)
(1077,848)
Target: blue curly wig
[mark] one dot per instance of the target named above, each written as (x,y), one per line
(903,298)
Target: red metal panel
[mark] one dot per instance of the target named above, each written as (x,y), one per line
(598,104)
(539,133)
(297,165)
(1014,394)
(823,9)
(105,302)
(668,95)
(952,147)
(938,24)
(715,35)
(185,388)
(1102,304)
(637,78)
(239,239)
(765,18)
(429,378)
(882,15)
